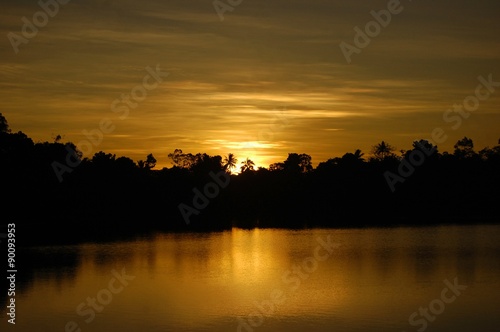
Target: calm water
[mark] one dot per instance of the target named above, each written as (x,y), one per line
(269,280)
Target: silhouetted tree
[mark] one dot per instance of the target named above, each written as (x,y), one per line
(430,150)
(274,167)
(383,150)
(16,143)
(182,160)
(355,158)
(424,144)
(492,154)
(103,159)
(464,148)
(247,165)
(150,162)
(4,125)
(230,162)
(329,165)
(57,139)
(108,192)
(125,163)
(204,164)
(298,163)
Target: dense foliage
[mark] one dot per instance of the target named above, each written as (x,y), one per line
(52,192)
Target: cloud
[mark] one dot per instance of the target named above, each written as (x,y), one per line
(228,78)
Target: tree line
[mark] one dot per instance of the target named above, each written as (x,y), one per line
(108,196)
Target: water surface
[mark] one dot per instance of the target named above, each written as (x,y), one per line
(268,280)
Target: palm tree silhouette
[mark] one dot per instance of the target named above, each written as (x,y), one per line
(359,155)
(230,162)
(247,165)
(352,158)
(383,150)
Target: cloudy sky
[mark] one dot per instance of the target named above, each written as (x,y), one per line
(260,80)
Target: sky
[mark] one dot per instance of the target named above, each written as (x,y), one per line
(256,78)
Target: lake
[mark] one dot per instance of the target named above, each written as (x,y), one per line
(444,278)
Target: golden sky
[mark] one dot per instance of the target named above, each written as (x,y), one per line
(267,80)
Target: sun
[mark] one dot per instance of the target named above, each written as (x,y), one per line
(260,153)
